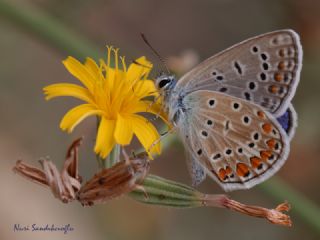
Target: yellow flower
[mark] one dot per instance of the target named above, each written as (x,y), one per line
(117,95)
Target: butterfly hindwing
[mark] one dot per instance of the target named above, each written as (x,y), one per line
(196,171)
(237,142)
(288,121)
(264,69)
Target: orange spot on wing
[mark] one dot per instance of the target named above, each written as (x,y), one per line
(267,128)
(255,162)
(228,170)
(222,174)
(281,53)
(242,170)
(261,114)
(273,89)
(278,77)
(271,143)
(281,65)
(265,155)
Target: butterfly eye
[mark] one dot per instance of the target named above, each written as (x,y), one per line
(164,82)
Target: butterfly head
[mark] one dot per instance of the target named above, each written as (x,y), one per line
(165,82)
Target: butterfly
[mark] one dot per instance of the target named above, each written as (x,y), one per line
(65,184)
(233,111)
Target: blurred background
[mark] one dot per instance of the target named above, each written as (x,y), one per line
(184,32)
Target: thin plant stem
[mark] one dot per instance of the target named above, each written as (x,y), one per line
(51,31)
(113,157)
(100,160)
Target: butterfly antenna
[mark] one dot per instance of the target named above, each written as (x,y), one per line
(155,52)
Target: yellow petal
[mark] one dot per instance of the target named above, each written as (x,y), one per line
(109,75)
(113,78)
(123,133)
(146,133)
(67,89)
(78,70)
(145,88)
(74,116)
(141,67)
(105,140)
(93,68)
(110,79)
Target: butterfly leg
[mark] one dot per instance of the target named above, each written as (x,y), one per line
(160,138)
(150,105)
(127,161)
(155,100)
(142,189)
(126,156)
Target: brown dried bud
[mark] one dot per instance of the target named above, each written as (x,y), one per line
(113,182)
(275,216)
(63,185)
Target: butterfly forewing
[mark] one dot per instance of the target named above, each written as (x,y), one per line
(237,142)
(264,69)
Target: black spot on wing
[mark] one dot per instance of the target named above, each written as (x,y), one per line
(238,67)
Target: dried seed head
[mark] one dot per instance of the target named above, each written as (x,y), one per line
(113,182)
(65,184)
(275,216)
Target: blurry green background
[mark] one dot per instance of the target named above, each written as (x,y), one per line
(29,126)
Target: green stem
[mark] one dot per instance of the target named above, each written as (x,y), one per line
(113,157)
(53,32)
(61,38)
(100,160)
(163,192)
